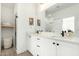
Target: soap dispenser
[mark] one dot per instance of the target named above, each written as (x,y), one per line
(62,33)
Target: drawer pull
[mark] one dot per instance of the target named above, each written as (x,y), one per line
(57,44)
(37,54)
(38,46)
(38,39)
(53,42)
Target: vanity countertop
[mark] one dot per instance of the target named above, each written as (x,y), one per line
(67,39)
(56,36)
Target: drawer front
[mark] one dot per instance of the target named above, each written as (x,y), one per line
(39,50)
(38,41)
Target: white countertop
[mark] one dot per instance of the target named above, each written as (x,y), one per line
(71,40)
(56,36)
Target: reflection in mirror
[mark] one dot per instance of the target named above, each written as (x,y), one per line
(68,25)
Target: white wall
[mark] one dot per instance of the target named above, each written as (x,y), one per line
(44,20)
(24,11)
(41,16)
(65,13)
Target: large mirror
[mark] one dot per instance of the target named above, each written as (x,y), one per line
(68,24)
(65,18)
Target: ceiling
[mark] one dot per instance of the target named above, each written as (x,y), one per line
(57,7)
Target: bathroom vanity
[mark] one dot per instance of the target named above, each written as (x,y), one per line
(50,45)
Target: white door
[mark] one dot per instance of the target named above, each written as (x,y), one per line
(47,47)
(67,49)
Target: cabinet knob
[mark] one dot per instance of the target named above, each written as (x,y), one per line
(38,46)
(38,39)
(57,44)
(37,54)
(53,42)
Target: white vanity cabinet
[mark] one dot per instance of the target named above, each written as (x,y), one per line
(67,49)
(47,47)
(32,46)
(40,46)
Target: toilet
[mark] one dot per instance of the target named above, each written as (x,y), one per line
(7,42)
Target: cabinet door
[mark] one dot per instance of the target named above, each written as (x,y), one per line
(47,47)
(32,46)
(68,49)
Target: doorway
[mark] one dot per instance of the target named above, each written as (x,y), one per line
(8,28)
